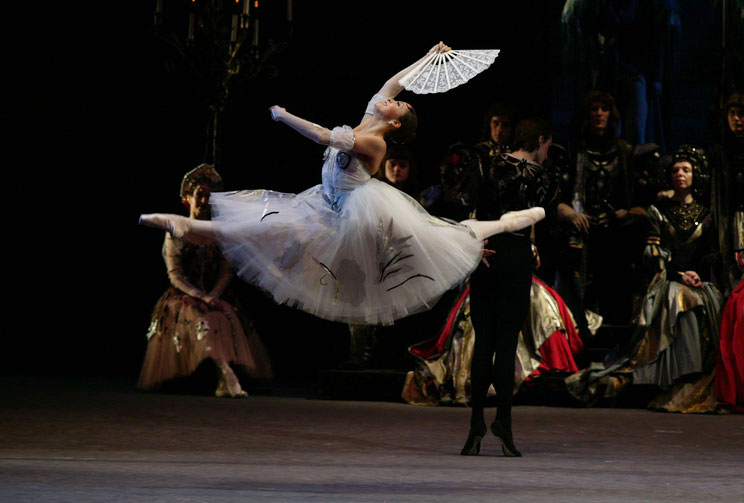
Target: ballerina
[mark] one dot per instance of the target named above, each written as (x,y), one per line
(352,249)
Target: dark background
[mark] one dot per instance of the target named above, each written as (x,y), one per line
(102,131)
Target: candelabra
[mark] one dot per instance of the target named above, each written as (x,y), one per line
(220,41)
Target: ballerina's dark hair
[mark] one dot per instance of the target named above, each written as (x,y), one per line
(406,133)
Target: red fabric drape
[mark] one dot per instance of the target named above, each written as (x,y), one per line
(560,350)
(729,373)
(428,350)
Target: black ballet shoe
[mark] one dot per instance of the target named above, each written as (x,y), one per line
(507,441)
(472,444)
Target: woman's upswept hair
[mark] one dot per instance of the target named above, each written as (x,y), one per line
(528,133)
(406,133)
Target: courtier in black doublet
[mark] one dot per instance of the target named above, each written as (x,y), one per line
(727,200)
(507,183)
(500,293)
(601,183)
(602,180)
(491,149)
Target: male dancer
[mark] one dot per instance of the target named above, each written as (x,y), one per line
(500,293)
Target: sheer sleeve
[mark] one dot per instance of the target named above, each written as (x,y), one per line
(172,255)
(343,138)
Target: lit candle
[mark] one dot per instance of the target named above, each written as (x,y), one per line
(192,25)
(255,32)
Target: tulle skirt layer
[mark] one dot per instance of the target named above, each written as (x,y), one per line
(374,257)
(184,332)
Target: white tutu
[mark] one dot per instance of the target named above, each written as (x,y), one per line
(353,249)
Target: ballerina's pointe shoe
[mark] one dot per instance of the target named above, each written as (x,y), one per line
(518,220)
(537,213)
(177,225)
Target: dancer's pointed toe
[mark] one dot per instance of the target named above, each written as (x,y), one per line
(157,220)
(507,440)
(473,442)
(517,220)
(178,226)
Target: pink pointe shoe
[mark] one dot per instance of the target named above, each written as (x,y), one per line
(178,226)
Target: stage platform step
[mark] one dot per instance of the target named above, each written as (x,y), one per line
(371,384)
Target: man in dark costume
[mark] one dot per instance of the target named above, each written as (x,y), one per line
(602,206)
(728,210)
(727,201)
(500,293)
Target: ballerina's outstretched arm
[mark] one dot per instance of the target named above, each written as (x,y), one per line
(368,145)
(322,135)
(310,130)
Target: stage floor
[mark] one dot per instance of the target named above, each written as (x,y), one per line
(80,440)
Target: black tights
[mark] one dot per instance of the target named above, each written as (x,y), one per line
(499,302)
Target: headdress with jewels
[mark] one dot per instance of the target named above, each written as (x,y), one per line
(700,171)
(204,174)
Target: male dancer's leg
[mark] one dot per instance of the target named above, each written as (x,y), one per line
(499,304)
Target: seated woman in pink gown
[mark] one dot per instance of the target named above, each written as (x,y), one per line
(197,319)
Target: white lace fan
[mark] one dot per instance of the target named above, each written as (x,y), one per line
(440,72)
